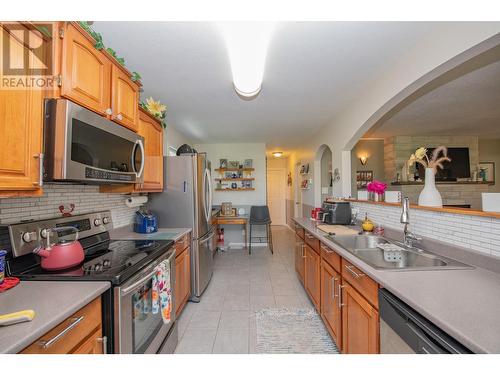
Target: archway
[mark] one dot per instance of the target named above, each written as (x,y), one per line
(323,183)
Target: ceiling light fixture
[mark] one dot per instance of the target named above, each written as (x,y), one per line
(247,44)
(277,154)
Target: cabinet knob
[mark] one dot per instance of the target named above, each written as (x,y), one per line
(108,111)
(119,116)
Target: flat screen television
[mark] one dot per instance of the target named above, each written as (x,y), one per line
(459,167)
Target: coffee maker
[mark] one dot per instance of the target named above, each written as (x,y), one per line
(338,212)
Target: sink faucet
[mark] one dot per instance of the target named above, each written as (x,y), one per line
(409,237)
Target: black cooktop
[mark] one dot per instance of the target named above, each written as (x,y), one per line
(113,261)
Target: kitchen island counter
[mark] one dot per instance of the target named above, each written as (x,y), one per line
(463,303)
(52,301)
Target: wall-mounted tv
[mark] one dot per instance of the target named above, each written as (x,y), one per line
(459,167)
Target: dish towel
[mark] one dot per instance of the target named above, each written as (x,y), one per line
(162,291)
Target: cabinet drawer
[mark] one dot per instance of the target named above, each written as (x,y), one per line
(72,332)
(312,241)
(299,230)
(361,282)
(330,256)
(182,243)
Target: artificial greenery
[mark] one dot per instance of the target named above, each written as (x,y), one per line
(156,109)
(99,44)
(135,76)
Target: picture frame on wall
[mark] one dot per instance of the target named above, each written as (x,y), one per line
(363,178)
(233,164)
(489,171)
(248,163)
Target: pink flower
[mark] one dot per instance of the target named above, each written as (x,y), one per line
(376,187)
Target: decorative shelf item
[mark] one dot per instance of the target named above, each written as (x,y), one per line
(234,176)
(304,169)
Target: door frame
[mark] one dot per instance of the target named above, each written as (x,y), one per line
(283,172)
(297,201)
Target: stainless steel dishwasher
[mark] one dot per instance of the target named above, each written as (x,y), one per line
(404,331)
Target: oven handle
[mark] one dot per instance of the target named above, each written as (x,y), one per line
(132,287)
(141,146)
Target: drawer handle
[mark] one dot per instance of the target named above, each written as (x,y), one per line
(333,288)
(340,304)
(309,236)
(327,249)
(354,273)
(303,252)
(48,343)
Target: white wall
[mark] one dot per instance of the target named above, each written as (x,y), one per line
(240,152)
(172,137)
(347,126)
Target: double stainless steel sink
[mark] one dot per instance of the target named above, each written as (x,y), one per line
(383,253)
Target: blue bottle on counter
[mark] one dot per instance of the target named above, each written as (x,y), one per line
(145,222)
(2,265)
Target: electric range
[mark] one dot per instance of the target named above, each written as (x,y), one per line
(128,322)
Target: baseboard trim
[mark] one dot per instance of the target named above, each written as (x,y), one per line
(241,245)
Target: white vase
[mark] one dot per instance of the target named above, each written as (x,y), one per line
(430,196)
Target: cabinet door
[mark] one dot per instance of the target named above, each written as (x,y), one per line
(330,302)
(360,323)
(21,128)
(86,72)
(152,132)
(299,257)
(93,345)
(312,275)
(124,99)
(182,289)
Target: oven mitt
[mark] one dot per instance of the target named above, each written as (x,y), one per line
(162,291)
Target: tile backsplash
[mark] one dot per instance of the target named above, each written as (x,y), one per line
(86,198)
(472,232)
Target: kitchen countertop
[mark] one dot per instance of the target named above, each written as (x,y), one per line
(52,302)
(463,303)
(127,233)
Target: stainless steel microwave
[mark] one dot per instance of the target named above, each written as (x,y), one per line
(81,146)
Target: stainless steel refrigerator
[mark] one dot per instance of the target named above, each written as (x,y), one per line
(186,202)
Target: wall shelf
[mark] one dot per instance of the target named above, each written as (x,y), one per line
(222,170)
(235,179)
(237,189)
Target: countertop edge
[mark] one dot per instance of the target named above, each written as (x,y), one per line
(370,271)
(127,233)
(16,347)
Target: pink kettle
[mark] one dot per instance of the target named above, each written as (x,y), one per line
(63,254)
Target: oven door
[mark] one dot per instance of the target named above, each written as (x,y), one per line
(137,329)
(84,146)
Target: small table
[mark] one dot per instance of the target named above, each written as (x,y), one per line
(234,220)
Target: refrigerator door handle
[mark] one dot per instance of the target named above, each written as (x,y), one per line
(210,195)
(206,199)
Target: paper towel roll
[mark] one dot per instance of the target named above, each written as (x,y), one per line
(136,201)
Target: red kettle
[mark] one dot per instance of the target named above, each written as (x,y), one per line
(63,254)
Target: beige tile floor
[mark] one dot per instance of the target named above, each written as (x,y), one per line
(224,320)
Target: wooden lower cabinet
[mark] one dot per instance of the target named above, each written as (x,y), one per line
(360,323)
(299,257)
(81,333)
(182,289)
(330,302)
(312,272)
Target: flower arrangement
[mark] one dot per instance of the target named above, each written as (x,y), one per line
(435,162)
(157,109)
(376,187)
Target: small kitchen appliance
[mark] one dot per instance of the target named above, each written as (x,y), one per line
(337,212)
(129,324)
(63,254)
(145,222)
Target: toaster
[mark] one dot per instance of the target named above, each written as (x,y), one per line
(145,222)
(336,213)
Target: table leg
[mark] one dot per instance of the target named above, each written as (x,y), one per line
(245,226)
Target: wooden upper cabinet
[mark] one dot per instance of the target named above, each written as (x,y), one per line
(21,127)
(331,311)
(124,99)
(152,132)
(360,323)
(312,275)
(86,71)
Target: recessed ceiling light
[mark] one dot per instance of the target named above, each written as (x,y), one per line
(247,44)
(277,154)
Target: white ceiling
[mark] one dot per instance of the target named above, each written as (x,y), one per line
(313,70)
(468,105)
